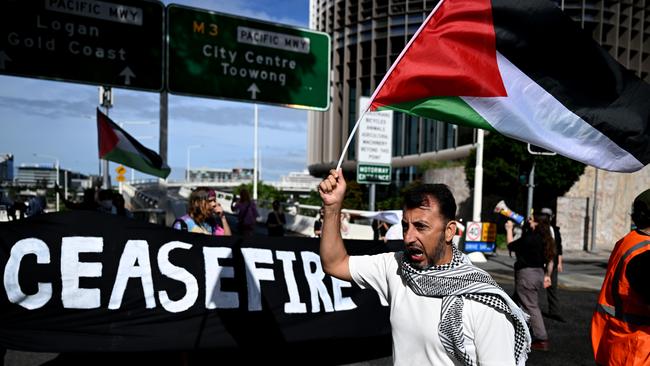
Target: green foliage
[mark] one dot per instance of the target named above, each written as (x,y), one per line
(313,199)
(505,161)
(395,201)
(354,197)
(501,241)
(353,200)
(357,199)
(266,194)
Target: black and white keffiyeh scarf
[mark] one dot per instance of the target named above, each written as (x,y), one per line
(459,279)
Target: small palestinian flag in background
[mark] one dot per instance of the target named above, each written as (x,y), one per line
(118,146)
(522,68)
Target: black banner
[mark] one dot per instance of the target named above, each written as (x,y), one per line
(90,282)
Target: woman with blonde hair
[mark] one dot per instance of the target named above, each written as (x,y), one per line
(204,214)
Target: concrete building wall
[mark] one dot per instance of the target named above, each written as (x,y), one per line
(614,197)
(454,177)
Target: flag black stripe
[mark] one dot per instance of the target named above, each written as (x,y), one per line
(549,47)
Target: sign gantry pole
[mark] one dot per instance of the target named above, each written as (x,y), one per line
(255,155)
(106,101)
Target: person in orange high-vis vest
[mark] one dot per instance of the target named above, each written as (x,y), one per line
(620,326)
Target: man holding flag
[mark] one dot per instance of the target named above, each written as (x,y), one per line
(444,311)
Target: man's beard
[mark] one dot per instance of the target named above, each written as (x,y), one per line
(438,253)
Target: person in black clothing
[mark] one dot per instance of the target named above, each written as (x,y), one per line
(318,223)
(89,200)
(551,291)
(275,221)
(535,250)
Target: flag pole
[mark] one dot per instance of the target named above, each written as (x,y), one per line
(354,130)
(381,84)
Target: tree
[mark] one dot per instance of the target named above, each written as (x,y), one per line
(266,193)
(506,167)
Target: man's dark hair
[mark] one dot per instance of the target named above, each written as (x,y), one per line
(641,210)
(420,195)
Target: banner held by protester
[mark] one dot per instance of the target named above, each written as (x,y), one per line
(85,281)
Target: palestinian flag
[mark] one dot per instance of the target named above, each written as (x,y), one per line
(522,68)
(118,146)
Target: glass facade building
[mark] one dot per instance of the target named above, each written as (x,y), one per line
(368,35)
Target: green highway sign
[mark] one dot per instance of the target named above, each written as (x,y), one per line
(373,173)
(116,43)
(223,56)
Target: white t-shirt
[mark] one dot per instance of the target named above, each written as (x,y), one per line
(414,319)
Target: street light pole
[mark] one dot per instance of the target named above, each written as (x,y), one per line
(56,165)
(187,172)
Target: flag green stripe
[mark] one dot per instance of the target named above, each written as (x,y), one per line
(449,109)
(135,161)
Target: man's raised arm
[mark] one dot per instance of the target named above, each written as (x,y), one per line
(333,255)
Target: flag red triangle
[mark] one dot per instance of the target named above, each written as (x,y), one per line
(107,137)
(453,54)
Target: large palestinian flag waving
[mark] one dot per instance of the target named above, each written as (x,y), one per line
(525,69)
(118,146)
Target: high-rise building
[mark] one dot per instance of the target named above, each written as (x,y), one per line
(368,35)
(39,175)
(6,167)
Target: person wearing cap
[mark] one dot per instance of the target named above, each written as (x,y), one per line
(204,214)
(620,325)
(551,291)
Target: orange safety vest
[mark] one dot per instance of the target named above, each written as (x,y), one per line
(620,326)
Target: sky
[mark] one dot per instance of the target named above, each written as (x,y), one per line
(41,119)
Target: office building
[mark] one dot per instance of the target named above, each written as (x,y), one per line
(6,167)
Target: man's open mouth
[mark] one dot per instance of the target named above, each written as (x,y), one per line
(415,254)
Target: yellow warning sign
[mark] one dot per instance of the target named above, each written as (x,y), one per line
(121,178)
(120,170)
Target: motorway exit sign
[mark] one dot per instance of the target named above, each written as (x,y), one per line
(373,173)
(116,43)
(223,56)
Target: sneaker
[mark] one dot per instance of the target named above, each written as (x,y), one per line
(540,345)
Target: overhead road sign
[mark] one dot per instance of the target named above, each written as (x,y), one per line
(217,55)
(116,43)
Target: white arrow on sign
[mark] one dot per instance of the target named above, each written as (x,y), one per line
(253,89)
(128,74)
(3,58)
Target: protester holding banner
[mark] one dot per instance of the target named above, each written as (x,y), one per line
(535,250)
(318,223)
(276,220)
(444,311)
(204,214)
(246,213)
